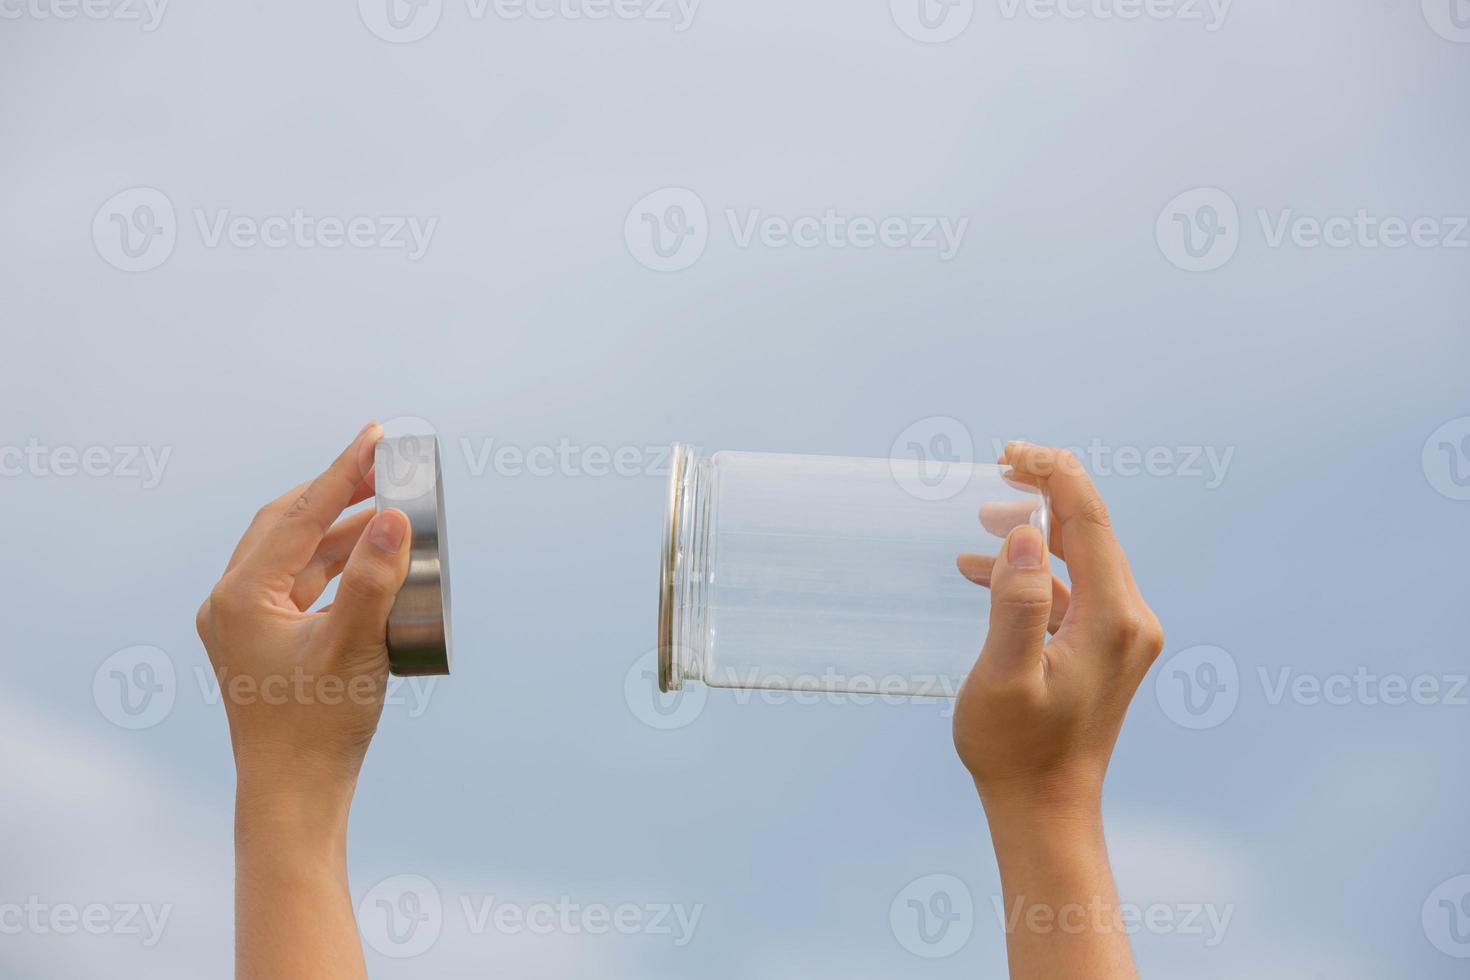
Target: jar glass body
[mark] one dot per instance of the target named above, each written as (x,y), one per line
(827,573)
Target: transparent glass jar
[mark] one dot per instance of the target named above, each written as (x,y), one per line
(825,573)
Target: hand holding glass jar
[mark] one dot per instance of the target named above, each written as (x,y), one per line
(1036,720)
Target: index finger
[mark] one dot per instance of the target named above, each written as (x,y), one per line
(288,545)
(1095,560)
(267,516)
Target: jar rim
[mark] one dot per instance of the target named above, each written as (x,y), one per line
(668,679)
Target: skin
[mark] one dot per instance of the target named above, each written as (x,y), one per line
(1035,723)
(303,692)
(1037,720)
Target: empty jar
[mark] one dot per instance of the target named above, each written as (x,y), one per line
(825,573)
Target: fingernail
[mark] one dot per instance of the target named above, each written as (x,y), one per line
(1025,547)
(387,531)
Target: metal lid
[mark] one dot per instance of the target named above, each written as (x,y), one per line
(407,478)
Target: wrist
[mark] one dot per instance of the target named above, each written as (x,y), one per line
(297,822)
(1062,814)
(1061,839)
(1036,832)
(1074,796)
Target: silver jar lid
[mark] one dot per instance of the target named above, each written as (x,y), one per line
(408,478)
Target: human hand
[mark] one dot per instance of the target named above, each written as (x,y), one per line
(1036,721)
(303,690)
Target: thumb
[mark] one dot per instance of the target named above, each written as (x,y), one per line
(370,582)
(1020,602)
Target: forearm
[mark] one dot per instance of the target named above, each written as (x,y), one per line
(1061,912)
(293,910)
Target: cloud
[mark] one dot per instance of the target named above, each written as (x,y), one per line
(85,823)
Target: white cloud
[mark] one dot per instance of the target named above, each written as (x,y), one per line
(84,823)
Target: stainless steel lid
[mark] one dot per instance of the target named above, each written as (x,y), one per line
(408,478)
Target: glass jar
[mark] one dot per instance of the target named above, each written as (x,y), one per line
(824,573)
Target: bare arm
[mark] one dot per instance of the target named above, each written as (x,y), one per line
(1037,721)
(303,692)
